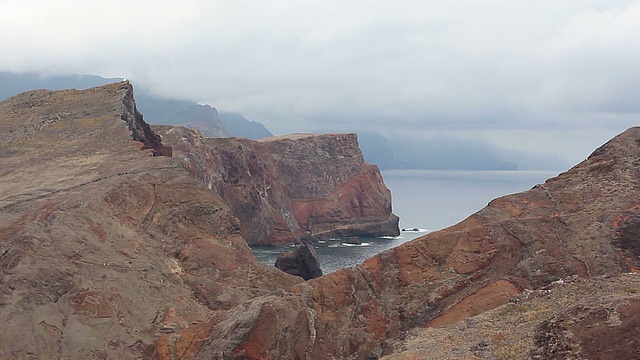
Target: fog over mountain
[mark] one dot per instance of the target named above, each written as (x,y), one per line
(397,152)
(448,153)
(156,109)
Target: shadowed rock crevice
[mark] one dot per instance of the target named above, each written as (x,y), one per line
(140,130)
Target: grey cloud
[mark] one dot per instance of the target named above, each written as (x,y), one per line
(464,67)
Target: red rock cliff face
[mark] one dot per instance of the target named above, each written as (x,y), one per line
(289,187)
(583,222)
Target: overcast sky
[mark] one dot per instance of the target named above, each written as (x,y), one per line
(545,75)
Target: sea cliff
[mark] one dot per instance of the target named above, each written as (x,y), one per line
(290,187)
(120,242)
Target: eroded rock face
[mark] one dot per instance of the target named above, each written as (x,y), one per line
(579,223)
(302,262)
(289,187)
(103,246)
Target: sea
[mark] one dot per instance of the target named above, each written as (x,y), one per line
(425,201)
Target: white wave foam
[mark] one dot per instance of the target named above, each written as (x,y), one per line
(412,229)
(361,244)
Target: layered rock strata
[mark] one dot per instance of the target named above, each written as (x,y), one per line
(581,223)
(290,187)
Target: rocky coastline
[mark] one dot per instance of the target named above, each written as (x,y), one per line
(120,240)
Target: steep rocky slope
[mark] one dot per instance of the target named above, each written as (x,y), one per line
(104,246)
(582,223)
(285,188)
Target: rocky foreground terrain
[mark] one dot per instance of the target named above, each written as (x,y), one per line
(574,318)
(107,251)
(107,242)
(582,223)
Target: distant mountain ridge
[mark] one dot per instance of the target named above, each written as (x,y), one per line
(243,127)
(448,153)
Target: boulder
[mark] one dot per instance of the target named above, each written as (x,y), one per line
(302,262)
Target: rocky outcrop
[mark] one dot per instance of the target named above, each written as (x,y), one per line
(577,224)
(302,262)
(285,188)
(104,247)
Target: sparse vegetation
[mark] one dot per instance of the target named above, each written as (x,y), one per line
(508,332)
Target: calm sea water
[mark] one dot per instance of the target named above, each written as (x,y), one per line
(424,199)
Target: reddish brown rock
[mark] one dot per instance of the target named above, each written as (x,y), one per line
(289,187)
(573,318)
(579,223)
(109,252)
(103,246)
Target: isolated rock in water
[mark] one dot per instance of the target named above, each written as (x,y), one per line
(302,262)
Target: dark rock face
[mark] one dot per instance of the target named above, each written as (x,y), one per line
(287,187)
(572,225)
(302,262)
(140,130)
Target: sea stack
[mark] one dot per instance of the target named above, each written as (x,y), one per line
(302,262)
